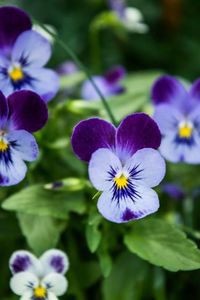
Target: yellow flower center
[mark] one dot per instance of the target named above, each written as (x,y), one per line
(16,74)
(40,292)
(185,131)
(121,182)
(3,146)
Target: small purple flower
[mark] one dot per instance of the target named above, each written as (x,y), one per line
(175,191)
(177,112)
(123,164)
(109,84)
(67,68)
(23,53)
(21,113)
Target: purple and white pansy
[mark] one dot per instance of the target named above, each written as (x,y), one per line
(177,112)
(123,164)
(39,279)
(23,53)
(109,84)
(22,113)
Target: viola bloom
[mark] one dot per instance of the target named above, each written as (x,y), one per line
(109,84)
(131,17)
(23,53)
(67,68)
(21,113)
(39,279)
(123,164)
(177,112)
(174,191)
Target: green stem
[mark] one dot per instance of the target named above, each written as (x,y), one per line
(81,66)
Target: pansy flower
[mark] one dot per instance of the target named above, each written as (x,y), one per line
(23,53)
(177,112)
(123,164)
(109,84)
(22,113)
(131,17)
(39,279)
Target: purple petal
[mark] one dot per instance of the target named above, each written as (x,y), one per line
(173,190)
(67,68)
(118,6)
(13,21)
(26,145)
(90,135)
(45,82)
(135,132)
(54,261)
(194,92)
(115,74)
(175,151)
(31,49)
(150,164)
(27,111)
(22,261)
(101,163)
(128,210)
(167,118)
(3,110)
(88,91)
(169,90)
(12,168)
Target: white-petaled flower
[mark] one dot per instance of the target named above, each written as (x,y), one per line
(131,17)
(39,279)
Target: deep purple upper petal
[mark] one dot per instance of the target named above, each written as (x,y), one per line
(135,132)
(115,74)
(90,135)
(27,111)
(194,91)
(13,21)
(3,110)
(167,89)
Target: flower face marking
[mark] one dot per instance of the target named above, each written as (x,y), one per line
(4,145)
(123,164)
(40,293)
(177,113)
(121,182)
(16,73)
(185,130)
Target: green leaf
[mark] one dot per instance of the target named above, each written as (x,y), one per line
(69,81)
(162,244)
(41,201)
(93,237)
(105,262)
(41,233)
(127,278)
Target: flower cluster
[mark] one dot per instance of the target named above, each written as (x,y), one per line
(22,113)
(23,53)
(109,84)
(123,164)
(177,112)
(39,279)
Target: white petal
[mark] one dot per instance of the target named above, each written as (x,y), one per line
(102,162)
(27,295)
(51,296)
(55,283)
(150,167)
(22,282)
(145,202)
(54,260)
(22,260)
